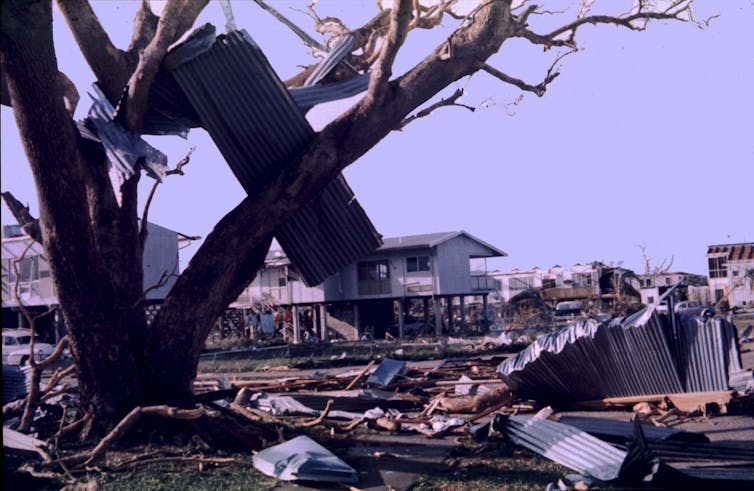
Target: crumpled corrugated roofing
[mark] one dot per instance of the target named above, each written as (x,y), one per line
(303,459)
(563,444)
(639,356)
(126,152)
(260,130)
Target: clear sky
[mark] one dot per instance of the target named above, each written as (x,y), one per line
(645,139)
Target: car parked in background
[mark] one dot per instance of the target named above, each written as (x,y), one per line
(693,307)
(16,347)
(685,305)
(571,308)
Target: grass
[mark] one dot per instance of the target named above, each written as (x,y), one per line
(331,355)
(493,466)
(189,477)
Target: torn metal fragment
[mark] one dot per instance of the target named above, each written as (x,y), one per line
(303,459)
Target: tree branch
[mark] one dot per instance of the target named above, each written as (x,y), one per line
(540,88)
(108,63)
(400,18)
(448,101)
(145,214)
(176,17)
(145,28)
(672,12)
(28,223)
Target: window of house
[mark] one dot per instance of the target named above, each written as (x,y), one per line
(548,283)
(735,272)
(650,299)
(484,283)
(719,294)
(28,269)
(667,281)
(581,280)
(718,267)
(373,277)
(417,263)
(523,283)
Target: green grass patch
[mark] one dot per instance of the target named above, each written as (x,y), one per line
(189,476)
(331,355)
(493,467)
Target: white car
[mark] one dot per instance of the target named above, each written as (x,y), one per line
(16,347)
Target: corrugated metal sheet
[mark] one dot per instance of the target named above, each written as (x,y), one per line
(342,47)
(734,252)
(563,444)
(639,356)
(708,353)
(260,130)
(303,459)
(624,430)
(126,152)
(387,372)
(311,95)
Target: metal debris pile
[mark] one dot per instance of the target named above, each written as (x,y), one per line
(433,401)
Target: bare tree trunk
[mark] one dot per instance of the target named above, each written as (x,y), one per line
(97,298)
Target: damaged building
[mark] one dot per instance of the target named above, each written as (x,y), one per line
(419,282)
(37,291)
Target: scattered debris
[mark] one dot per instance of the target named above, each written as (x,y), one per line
(563,444)
(622,431)
(303,459)
(387,372)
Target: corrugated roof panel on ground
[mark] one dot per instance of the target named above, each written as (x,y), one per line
(590,360)
(563,444)
(387,372)
(604,427)
(303,459)
(259,130)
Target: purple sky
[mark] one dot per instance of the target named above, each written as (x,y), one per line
(645,138)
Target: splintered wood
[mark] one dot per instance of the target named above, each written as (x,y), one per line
(432,401)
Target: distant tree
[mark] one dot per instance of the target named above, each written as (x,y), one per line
(93,244)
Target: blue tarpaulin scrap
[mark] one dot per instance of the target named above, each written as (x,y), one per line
(260,130)
(303,459)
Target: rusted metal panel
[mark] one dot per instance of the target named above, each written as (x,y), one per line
(259,129)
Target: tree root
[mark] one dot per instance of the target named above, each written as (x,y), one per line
(88,458)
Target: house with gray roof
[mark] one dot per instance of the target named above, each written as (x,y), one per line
(409,283)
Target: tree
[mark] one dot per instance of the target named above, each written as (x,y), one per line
(93,242)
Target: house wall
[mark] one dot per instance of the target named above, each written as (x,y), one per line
(37,289)
(160,257)
(266,288)
(343,285)
(649,295)
(578,281)
(452,267)
(736,286)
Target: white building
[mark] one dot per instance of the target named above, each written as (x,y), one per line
(694,287)
(34,280)
(731,273)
